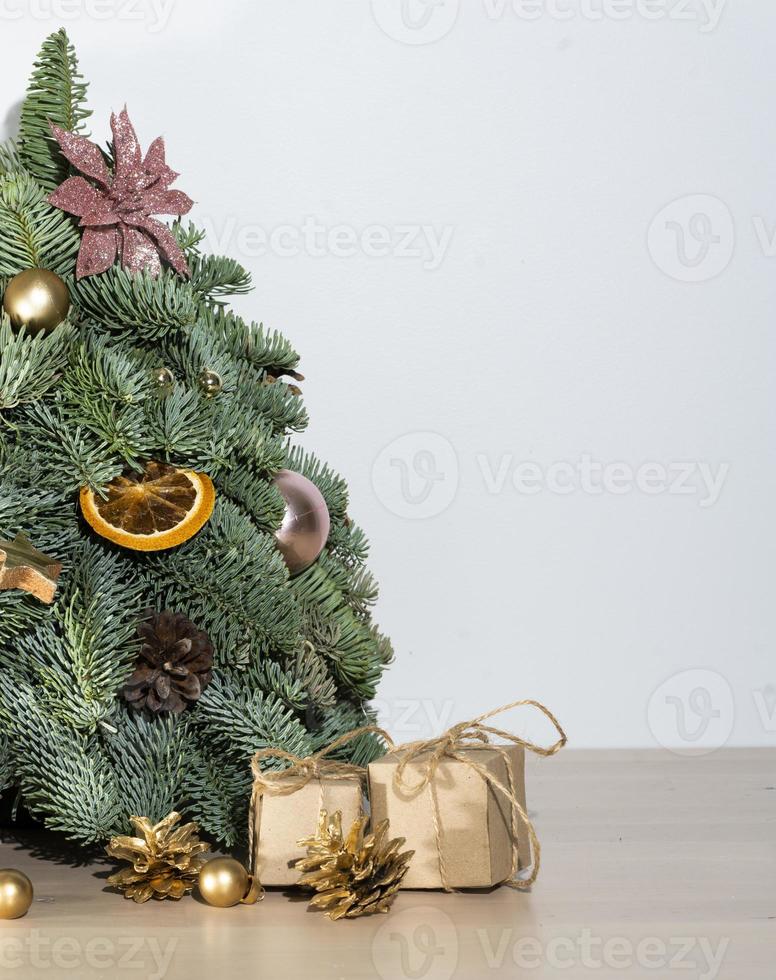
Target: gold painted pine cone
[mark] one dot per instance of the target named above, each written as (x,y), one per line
(355,876)
(164,860)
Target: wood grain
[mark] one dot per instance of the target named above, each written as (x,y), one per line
(655,865)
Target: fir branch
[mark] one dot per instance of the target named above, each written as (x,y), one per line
(56,93)
(120,429)
(78,664)
(309,669)
(10,161)
(274,400)
(332,486)
(138,305)
(63,775)
(102,601)
(348,644)
(33,234)
(47,516)
(255,443)
(6,765)
(150,757)
(199,349)
(100,368)
(287,686)
(232,581)
(216,276)
(19,611)
(30,366)
(259,497)
(189,238)
(242,721)
(360,589)
(348,543)
(264,350)
(103,389)
(75,454)
(336,722)
(217,791)
(180,424)
(32,499)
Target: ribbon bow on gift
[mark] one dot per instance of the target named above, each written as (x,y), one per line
(452,744)
(427,754)
(300,771)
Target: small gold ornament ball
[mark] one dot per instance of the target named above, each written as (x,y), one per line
(224,882)
(210,383)
(163,377)
(36,299)
(15,894)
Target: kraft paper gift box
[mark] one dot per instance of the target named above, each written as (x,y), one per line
(474,818)
(282,819)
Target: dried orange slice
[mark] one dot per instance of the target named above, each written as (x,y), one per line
(149,511)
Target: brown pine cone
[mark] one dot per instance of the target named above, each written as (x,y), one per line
(176,664)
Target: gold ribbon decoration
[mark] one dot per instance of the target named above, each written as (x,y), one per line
(451,745)
(300,771)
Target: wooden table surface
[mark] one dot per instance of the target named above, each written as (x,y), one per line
(655,865)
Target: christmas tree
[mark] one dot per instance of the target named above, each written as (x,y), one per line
(162,613)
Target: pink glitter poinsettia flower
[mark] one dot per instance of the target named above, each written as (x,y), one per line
(115,209)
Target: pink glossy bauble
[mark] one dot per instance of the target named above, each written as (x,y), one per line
(306,523)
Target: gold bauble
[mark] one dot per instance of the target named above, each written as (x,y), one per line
(210,382)
(163,378)
(224,882)
(15,894)
(37,300)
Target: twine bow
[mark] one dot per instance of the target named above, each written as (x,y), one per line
(427,754)
(300,771)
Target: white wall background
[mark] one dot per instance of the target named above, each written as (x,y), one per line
(538,142)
